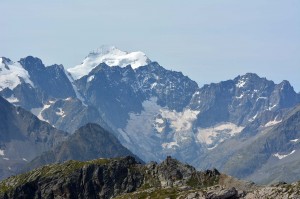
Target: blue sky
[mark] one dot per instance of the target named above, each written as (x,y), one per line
(209,41)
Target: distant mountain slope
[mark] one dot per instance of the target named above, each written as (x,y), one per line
(22,137)
(69,114)
(242,99)
(87,143)
(270,155)
(51,79)
(32,83)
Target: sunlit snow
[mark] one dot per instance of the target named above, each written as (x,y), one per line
(241,83)
(272,107)
(60,112)
(221,131)
(112,57)
(12,99)
(90,78)
(283,156)
(169,145)
(38,111)
(240,97)
(272,123)
(180,121)
(11,74)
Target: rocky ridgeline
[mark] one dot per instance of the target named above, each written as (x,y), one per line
(126,178)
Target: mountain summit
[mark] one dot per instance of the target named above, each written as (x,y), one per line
(111,56)
(12,74)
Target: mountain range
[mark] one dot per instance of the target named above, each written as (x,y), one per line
(244,126)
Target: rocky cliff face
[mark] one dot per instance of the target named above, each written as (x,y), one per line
(242,100)
(269,156)
(23,137)
(125,178)
(70,114)
(104,178)
(36,84)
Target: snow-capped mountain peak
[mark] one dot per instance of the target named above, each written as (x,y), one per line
(11,74)
(111,56)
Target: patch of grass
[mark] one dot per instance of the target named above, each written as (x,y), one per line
(202,181)
(171,193)
(52,170)
(4,188)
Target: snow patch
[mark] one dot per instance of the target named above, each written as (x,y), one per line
(147,128)
(78,95)
(159,120)
(169,145)
(112,57)
(153,85)
(272,123)
(159,125)
(218,133)
(46,106)
(1,152)
(272,107)
(295,140)
(253,118)
(24,159)
(143,122)
(60,112)
(283,156)
(180,121)
(11,74)
(211,148)
(12,99)
(38,111)
(89,79)
(261,98)
(240,97)
(5,158)
(241,83)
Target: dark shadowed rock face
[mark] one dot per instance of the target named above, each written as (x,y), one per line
(22,137)
(70,114)
(102,178)
(95,179)
(51,80)
(91,141)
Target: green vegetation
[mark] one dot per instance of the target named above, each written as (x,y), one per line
(201,181)
(171,193)
(52,170)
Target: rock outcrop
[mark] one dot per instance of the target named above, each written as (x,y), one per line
(125,178)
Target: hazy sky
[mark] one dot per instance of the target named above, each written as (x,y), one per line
(208,40)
